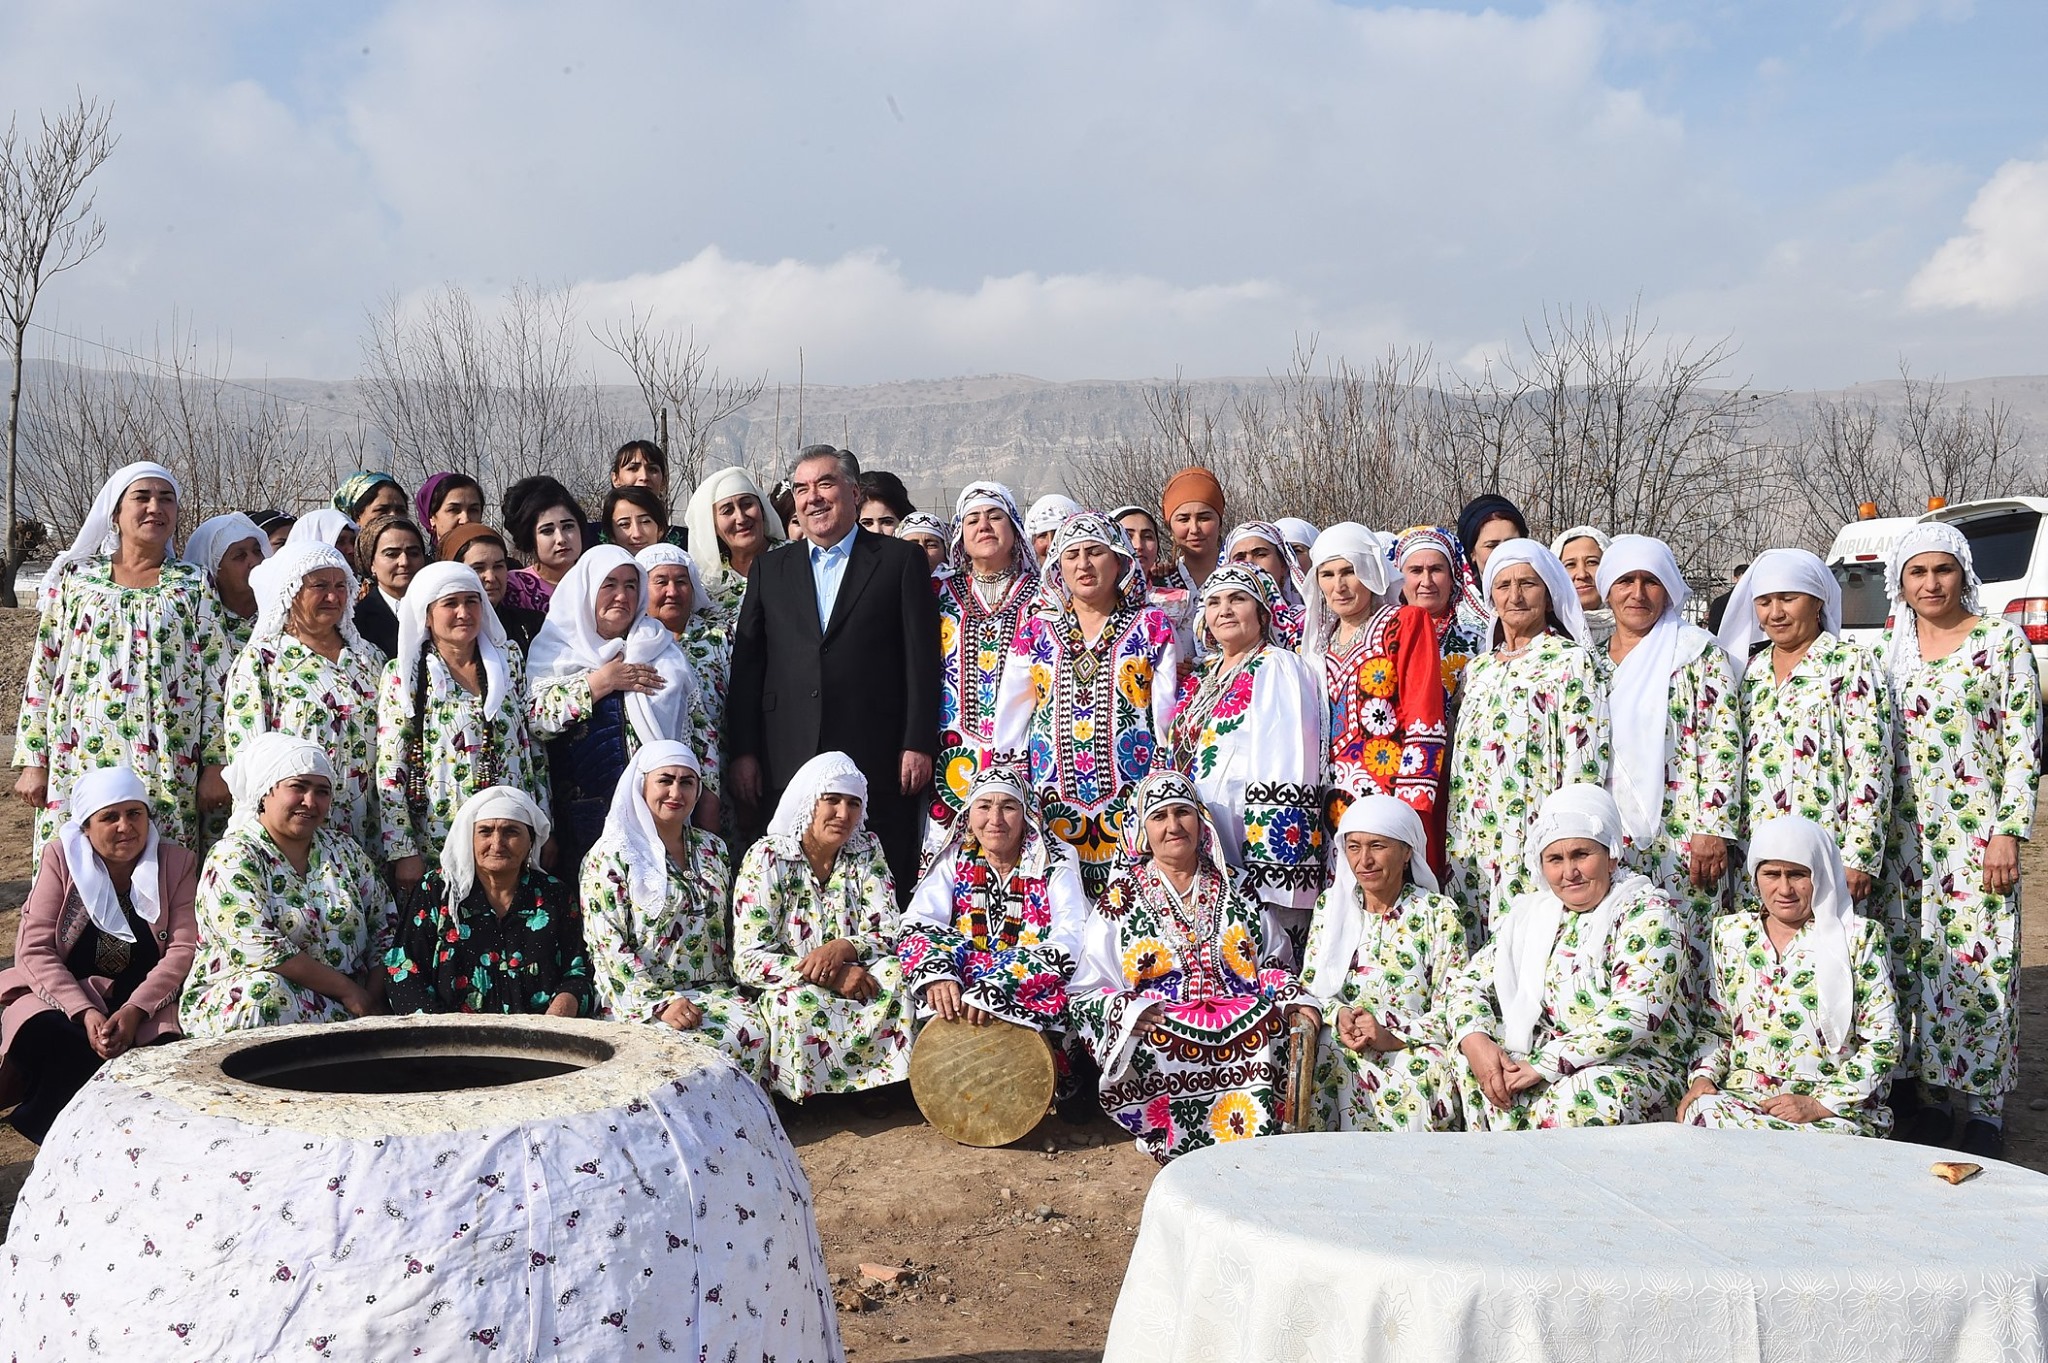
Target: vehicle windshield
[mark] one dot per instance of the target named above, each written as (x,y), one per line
(2001,546)
(1864,603)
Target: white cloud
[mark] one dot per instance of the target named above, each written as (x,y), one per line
(2001,262)
(1880,18)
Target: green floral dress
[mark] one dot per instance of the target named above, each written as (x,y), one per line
(1612,1035)
(1527,727)
(125,674)
(565,702)
(462,751)
(1819,744)
(639,963)
(1964,745)
(239,630)
(255,913)
(1398,974)
(1761,1037)
(281,685)
(819,1042)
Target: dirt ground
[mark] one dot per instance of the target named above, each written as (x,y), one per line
(1006,1256)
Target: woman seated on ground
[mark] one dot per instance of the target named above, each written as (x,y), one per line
(654,891)
(1800,1028)
(997,921)
(481,549)
(1572,1015)
(489,931)
(1383,949)
(1174,995)
(106,937)
(814,912)
(293,917)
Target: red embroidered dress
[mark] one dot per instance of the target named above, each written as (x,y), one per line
(1385,690)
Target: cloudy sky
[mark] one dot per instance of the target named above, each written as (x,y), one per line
(1072,189)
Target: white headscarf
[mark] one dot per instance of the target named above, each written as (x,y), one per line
(267,760)
(98,535)
(1345,902)
(1776,570)
(662,554)
(1360,548)
(1902,657)
(1048,513)
(458,853)
(973,497)
(1803,842)
(568,645)
(630,830)
(1269,533)
(1557,584)
(1299,533)
(1581,532)
(1639,696)
(215,536)
(1528,934)
(701,520)
(276,582)
(91,793)
(829,773)
(324,526)
(429,585)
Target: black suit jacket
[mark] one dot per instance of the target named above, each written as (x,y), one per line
(867,684)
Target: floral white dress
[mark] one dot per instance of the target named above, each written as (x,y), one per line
(255,913)
(1964,746)
(281,685)
(1819,744)
(125,674)
(819,1042)
(1527,727)
(460,750)
(639,964)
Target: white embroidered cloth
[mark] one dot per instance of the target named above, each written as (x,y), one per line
(585,1216)
(1637,1243)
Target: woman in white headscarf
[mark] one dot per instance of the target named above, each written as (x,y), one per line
(306,672)
(730,525)
(676,597)
(1671,696)
(997,921)
(814,922)
(1046,516)
(1573,1015)
(1301,538)
(1966,710)
(1581,549)
(607,678)
(1088,690)
(1264,545)
(932,535)
(654,912)
(128,663)
(451,718)
(226,548)
(488,931)
(330,527)
(1533,720)
(983,603)
(1816,716)
(1801,1032)
(106,938)
(1382,952)
(294,920)
(1383,678)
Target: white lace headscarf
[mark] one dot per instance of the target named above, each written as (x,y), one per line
(1639,696)
(1048,513)
(216,535)
(266,761)
(829,773)
(1557,585)
(1357,546)
(97,535)
(278,580)
(1902,656)
(630,829)
(458,853)
(91,793)
(1345,902)
(662,554)
(569,645)
(1776,570)
(431,584)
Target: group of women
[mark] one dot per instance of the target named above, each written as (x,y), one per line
(1485,820)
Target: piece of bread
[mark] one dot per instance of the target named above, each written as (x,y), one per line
(1955,1171)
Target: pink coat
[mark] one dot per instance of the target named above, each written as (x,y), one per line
(52,922)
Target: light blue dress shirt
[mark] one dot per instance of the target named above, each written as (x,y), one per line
(828,570)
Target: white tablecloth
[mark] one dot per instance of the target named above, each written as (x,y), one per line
(1641,1243)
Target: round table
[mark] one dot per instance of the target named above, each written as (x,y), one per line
(1640,1243)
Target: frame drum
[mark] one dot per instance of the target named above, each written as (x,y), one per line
(987,1085)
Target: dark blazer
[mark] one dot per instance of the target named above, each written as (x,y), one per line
(866,685)
(376,623)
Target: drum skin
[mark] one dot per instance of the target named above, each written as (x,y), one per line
(987,1085)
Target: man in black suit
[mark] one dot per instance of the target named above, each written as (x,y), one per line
(837,650)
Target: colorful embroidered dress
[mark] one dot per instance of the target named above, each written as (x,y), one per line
(975,642)
(125,674)
(1530,725)
(1760,1038)
(1399,973)
(1964,747)
(1819,744)
(282,685)
(640,961)
(1386,724)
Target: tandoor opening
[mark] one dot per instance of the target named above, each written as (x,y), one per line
(413,1060)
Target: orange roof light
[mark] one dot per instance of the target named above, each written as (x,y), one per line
(1936,503)
(1866,511)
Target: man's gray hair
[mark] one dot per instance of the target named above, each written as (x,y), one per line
(848,465)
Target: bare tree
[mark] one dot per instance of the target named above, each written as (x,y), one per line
(46,228)
(677,382)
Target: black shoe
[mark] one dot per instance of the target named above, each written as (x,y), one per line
(1929,1126)
(1982,1138)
